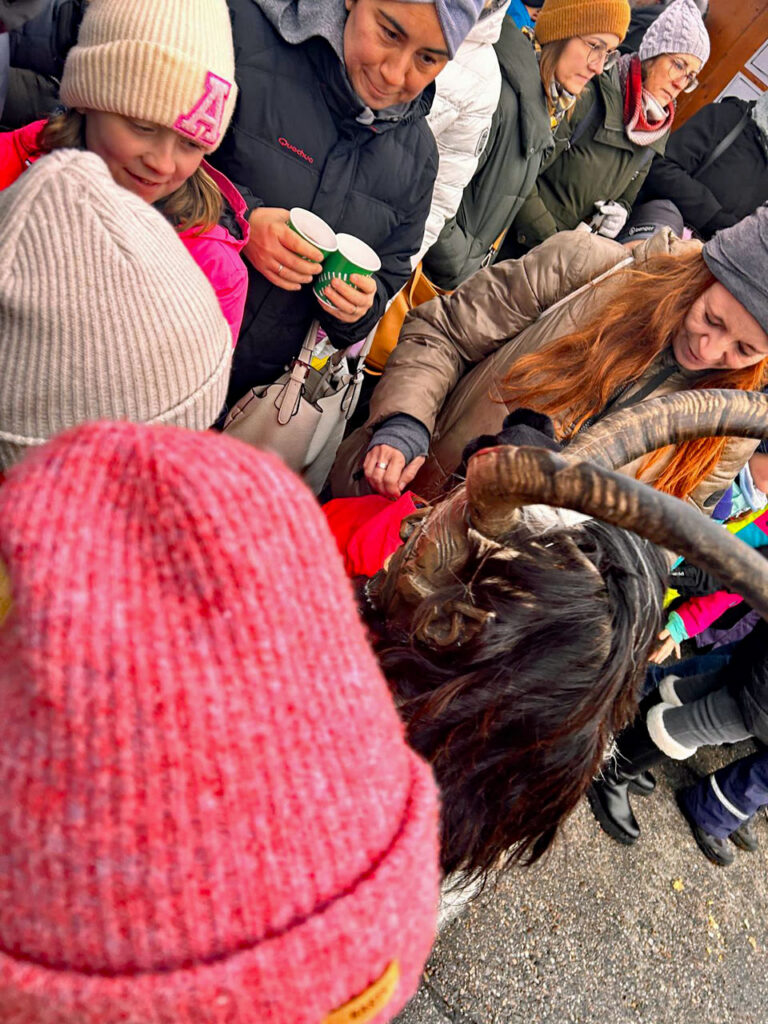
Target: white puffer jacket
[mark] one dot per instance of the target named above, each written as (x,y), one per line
(467,94)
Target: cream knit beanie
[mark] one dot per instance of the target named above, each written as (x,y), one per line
(167,61)
(103,312)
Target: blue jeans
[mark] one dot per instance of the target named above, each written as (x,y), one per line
(696,666)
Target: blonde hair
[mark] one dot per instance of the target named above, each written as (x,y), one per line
(195,204)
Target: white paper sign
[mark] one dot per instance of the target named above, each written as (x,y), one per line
(758,63)
(740,86)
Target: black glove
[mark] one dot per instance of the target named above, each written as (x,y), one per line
(521,427)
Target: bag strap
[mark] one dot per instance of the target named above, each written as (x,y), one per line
(418,272)
(725,143)
(289,397)
(593,116)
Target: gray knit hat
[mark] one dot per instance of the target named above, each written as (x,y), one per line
(103,312)
(457,18)
(678,29)
(738,257)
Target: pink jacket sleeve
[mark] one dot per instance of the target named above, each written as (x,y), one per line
(217,253)
(219,259)
(698,613)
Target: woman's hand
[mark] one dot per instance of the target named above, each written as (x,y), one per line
(668,646)
(351,303)
(386,471)
(278,253)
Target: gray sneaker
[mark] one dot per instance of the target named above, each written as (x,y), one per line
(745,836)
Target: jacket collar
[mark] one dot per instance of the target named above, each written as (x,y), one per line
(520,68)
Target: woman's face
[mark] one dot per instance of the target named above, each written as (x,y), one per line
(579,62)
(719,334)
(392,50)
(668,74)
(147,159)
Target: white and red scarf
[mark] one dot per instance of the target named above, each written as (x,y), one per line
(640,126)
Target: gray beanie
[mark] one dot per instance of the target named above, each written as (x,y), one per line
(457,18)
(738,257)
(103,312)
(678,29)
(648,218)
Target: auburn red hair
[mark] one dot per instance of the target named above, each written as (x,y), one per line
(575,376)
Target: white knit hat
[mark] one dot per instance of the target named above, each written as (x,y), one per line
(167,61)
(103,312)
(678,29)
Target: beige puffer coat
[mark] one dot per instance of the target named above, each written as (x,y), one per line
(455,351)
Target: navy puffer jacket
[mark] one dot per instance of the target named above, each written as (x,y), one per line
(295,141)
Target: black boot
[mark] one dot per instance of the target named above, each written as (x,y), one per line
(643,785)
(609,794)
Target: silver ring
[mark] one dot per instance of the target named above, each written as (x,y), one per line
(279,269)
(381,465)
(355,310)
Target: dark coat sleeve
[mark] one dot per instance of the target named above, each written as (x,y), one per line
(747,676)
(42,44)
(395,256)
(671,176)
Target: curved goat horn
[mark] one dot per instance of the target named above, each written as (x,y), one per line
(499,480)
(626,435)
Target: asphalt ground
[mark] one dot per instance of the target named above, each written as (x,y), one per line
(599,933)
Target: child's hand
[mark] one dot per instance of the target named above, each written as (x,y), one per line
(351,303)
(668,645)
(277,252)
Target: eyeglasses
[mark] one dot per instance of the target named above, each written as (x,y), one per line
(678,69)
(600,55)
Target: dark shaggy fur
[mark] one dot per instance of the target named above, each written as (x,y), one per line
(517,721)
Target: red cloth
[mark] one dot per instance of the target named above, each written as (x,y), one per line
(211,812)
(17,151)
(367,530)
(216,251)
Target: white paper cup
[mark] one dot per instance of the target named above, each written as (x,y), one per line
(313,229)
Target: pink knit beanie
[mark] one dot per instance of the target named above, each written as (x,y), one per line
(208,813)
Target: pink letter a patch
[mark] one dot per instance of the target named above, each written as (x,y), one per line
(203,122)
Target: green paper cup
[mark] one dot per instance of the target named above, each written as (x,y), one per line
(313,229)
(352,257)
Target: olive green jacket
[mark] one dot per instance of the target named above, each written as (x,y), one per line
(603,164)
(519,139)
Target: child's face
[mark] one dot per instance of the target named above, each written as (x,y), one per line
(145,158)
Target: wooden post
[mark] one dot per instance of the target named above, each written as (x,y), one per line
(736,30)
